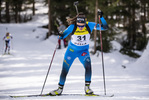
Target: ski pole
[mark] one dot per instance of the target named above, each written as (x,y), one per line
(3,47)
(6,29)
(12,44)
(102,55)
(75,4)
(49,69)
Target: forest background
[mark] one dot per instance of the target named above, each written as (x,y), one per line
(127,19)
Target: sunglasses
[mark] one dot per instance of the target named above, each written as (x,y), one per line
(81,26)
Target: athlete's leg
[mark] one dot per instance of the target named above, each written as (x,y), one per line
(6,43)
(59,44)
(86,61)
(70,55)
(8,47)
(65,42)
(68,60)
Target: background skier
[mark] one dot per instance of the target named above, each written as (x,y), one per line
(61,28)
(7,39)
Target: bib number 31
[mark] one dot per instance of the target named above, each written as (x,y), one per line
(81,38)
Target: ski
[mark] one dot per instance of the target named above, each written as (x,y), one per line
(5,54)
(44,95)
(36,95)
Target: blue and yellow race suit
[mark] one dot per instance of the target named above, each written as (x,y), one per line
(79,47)
(7,42)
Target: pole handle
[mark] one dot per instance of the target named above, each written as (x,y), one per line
(75,4)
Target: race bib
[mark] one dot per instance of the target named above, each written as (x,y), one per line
(80,40)
(8,37)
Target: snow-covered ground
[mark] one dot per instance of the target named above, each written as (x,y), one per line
(24,71)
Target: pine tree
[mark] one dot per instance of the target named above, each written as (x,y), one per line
(7,11)
(135,40)
(0,11)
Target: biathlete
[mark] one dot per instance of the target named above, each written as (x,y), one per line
(7,39)
(80,31)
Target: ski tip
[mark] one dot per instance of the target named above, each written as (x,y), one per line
(112,95)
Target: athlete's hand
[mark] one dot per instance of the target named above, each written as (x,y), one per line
(60,33)
(100,13)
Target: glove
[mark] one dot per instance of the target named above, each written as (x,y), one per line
(100,13)
(60,33)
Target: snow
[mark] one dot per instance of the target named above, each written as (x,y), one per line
(24,71)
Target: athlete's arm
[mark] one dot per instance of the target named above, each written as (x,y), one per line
(67,31)
(104,25)
(4,38)
(93,25)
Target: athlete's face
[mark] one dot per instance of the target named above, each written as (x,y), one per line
(80,25)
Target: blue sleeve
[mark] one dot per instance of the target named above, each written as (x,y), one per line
(91,25)
(67,31)
(104,25)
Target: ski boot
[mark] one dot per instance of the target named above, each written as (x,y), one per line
(57,91)
(59,47)
(87,88)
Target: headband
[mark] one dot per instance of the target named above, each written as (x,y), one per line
(81,19)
